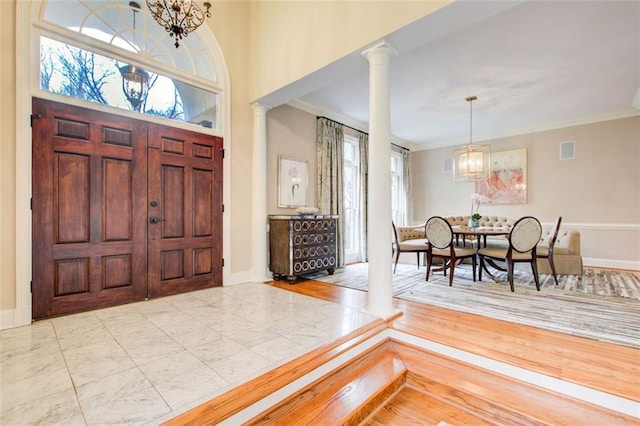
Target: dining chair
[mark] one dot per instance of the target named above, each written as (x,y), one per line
(440,245)
(523,239)
(416,246)
(546,250)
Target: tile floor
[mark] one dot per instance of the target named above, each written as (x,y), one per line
(146,362)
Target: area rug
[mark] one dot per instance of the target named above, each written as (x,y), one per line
(597,282)
(601,305)
(357,276)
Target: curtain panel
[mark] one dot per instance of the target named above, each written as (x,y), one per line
(330,166)
(406,182)
(363,144)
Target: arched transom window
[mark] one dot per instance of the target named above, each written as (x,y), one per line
(116,54)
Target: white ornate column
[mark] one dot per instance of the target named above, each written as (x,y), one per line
(259,188)
(379,211)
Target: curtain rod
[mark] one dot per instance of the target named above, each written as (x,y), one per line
(357,130)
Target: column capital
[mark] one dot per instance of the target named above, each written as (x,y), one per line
(258,106)
(382,47)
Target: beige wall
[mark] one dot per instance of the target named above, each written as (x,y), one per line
(267,45)
(596,193)
(291,39)
(7,156)
(291,133)
(230,25)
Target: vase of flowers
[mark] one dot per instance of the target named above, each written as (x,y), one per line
(476,200)
(474,221)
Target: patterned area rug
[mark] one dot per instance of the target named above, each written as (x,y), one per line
(597,282)
(602,304)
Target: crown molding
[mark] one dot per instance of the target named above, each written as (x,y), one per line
(516,132)
(413,146)
(344,119)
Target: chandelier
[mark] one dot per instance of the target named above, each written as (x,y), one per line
(178,17)
(135,84)
(473,161)
(135,80)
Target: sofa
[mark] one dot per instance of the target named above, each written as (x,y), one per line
(490,222)
(485,221)
(566,255)
(410,239)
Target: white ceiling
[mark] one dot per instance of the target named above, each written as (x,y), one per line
(533,65)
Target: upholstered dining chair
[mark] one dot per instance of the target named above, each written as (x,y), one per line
(417,246)
(523,239)
(440,245)
(546,250)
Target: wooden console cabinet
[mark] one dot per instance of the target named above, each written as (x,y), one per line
(302,244)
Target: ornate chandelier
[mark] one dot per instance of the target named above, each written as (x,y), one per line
(178,17)
(473,161)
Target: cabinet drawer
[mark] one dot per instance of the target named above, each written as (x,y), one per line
(314,251)
(313,238)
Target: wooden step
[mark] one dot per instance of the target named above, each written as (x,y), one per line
(414,407)
(495,398)
(345,396)
(226,405)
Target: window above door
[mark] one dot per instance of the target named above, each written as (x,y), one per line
(85,47)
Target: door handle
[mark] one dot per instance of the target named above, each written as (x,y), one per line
(154,220)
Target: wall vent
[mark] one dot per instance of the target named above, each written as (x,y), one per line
(567,150)
(446,165)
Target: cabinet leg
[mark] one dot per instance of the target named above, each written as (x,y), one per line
(276,277)
(331,271)
(291,278)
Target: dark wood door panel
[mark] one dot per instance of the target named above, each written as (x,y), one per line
(185,178)
(122,210)
(117,200)
(173,197)
(71,200)
(203,204)
(89,197)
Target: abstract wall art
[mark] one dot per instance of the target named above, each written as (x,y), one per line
(507,183)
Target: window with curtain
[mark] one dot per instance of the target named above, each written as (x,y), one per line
(342,174)
(351,192)
(398,196)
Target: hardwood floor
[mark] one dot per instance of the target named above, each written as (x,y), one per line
(411,385)
(408,409)
(343,398)
(603,366)
(218,409)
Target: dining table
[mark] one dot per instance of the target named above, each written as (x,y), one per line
(481,233)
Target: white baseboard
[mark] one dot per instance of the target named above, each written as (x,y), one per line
(239,278)
(7,319)
(11,318)
(594,262)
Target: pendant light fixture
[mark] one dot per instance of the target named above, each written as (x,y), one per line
(178,17)
(473,161)
(135,80)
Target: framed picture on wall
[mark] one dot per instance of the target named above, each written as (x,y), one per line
(507,183)
(292,182)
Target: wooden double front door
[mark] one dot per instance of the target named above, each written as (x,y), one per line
(123,210)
